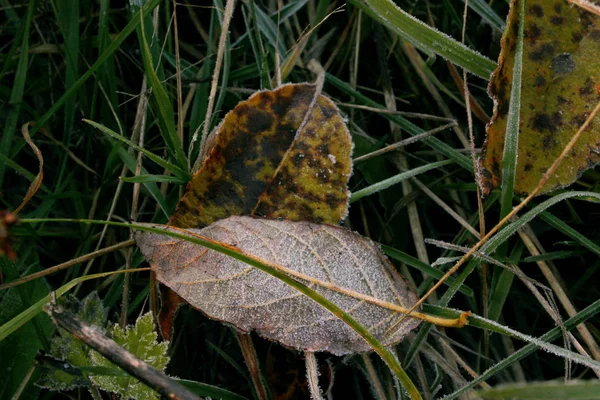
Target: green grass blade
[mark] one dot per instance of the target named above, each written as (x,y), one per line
(16,95)
(386,183)
(425,37)
(153,178)
(511,138)
(165,108)
(152,187)
(115,44)
(421,266)
(203,389)
(572,390)
(567,230)
(68,22)
(174,169)
(24,317)
(486,12)
(403,123)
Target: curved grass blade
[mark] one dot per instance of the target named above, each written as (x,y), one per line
(425,37)
(174,169)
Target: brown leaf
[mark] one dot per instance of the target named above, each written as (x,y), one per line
(560,87)
(346,268)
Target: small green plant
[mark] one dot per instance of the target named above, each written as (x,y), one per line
(80,366)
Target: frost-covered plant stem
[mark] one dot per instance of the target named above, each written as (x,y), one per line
(312,375)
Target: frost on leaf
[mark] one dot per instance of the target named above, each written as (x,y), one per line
(139,340)
(275,156)
(560,86)
(71,352)
(317,255)
(279,154)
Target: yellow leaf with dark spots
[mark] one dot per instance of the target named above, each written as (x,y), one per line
(560,87)
(275,155)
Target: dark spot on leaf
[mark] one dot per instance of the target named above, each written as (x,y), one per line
(536,11)
(548,142)
(594,35)
(309,132)
(328,112)
(301,146)
(557,20)
(298,159)
(540,81)
(282,105)
(542,52)
(576,37)
(323,148)
(588,88)
(333,201)
(558,8)
(258,121)
(532,33)
(562,64)
(543,123)
(579,119)
(563,100)
(528,167)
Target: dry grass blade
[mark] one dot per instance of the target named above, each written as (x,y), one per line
(586,5)
(227,16)
(67,264)
(402,143)
(37,182)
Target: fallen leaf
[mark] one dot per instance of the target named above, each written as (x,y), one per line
(339,264)
(279,154)
(276,155)
(560,86)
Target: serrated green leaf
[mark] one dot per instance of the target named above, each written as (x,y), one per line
(70,351)
(140,340)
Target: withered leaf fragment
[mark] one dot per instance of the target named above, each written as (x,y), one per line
(560,86)
(246,297)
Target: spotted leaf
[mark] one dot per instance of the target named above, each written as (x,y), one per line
(281,153)
(560,86)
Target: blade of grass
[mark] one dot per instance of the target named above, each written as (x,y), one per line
(16,95)
(567,230)
(572,390)
(426,38)
(503,278)
(403,123)
(165,108)
(174,169)
(486,12)
(421,266)
(115,44)
(386,183)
